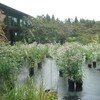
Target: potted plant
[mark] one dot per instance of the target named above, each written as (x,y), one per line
(79,79)
(89,58)
(74,75)
(73,65)
(60,72)
(30,59)
(31,71)
(39,65)
(71,84)
(61,62)
(94,60)
(89,62)
(70,61)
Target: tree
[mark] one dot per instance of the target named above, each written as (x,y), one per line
(53,18)
(69,20)
(48,18)
(76,20)
(44,29)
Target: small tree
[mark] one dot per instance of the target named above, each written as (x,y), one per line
(76,20)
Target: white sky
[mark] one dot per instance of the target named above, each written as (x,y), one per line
(63,9)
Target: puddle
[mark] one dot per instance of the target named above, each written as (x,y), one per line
(49,77)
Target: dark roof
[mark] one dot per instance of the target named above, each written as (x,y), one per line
(11,11)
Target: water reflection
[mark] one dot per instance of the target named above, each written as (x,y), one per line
(49,77)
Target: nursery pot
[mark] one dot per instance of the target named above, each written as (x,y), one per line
(79,85)
(89,65)
(71,85)
(60,73)
(48,56)
(39,65)
(94,64)
(31,71)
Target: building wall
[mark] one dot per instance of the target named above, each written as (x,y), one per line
(13,22)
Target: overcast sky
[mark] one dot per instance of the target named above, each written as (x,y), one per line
(63,9)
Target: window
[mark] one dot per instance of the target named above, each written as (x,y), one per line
(12,21)
(21,22)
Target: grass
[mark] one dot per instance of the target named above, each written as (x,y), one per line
(29,92)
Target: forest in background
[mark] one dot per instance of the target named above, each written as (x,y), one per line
(46,29)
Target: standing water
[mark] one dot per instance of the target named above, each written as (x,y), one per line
(49,77)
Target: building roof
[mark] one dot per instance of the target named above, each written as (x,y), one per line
(12,11)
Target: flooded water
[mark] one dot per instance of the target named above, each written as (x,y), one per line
(49,77)
(91,88)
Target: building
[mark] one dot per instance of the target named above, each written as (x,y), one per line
(13,22)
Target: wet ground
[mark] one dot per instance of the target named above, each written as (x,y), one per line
(49,76)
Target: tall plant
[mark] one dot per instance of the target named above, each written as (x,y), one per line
(2,34)
(70,60)
(29,92)
(10,59)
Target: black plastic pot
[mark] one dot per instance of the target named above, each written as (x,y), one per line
(94,64)
(71,85)
(31,71)
(39,65)
(90,65)
(48,90)
(60,73)
(86,59)
(48,56)
(79,85)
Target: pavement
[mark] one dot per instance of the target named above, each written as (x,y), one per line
(48,75)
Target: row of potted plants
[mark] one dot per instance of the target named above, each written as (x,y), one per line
(34,56)
(68,57)
(69,60)
(14,57)
(92,53)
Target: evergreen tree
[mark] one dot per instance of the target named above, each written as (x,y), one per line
(76,20)
(69,20)
(48,18)
(53,18)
